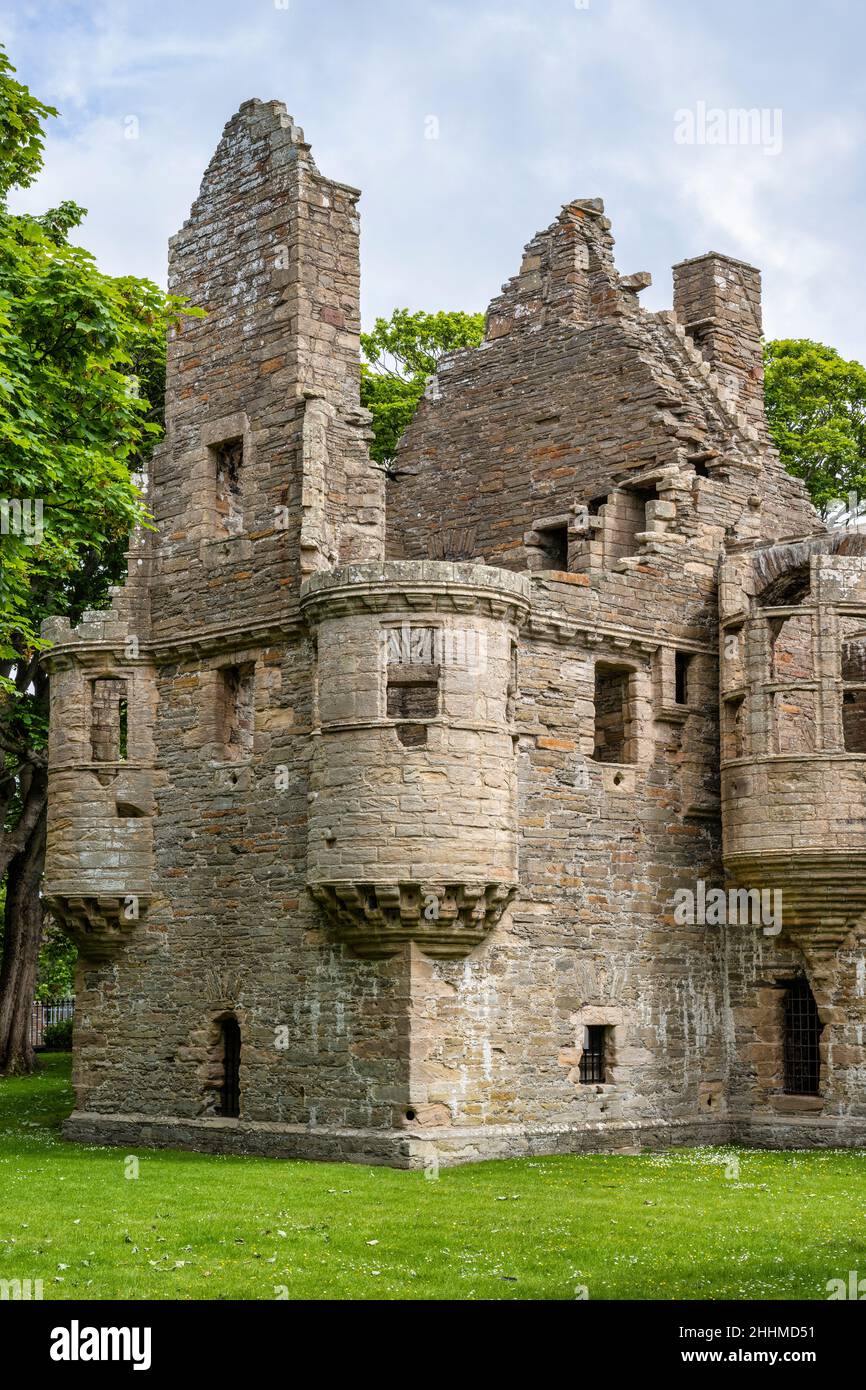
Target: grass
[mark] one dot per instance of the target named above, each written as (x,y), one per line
(675,1225)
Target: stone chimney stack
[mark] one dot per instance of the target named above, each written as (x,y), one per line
(718,301)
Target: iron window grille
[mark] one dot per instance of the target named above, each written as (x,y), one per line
(802,1039)
(593,1058)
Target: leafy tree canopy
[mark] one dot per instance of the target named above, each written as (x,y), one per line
(74,345)
(400,354)
(816,411)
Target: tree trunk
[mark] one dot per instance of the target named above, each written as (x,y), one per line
(21,942)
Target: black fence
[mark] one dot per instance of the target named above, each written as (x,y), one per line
(43,1015)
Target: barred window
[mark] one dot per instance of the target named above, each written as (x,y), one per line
(802,1038)
(593,1060)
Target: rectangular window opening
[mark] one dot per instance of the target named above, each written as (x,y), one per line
(612,715)
(228,461)
(802,1040)
(733,741)
(108,720)
(237,710)
(413,673)
(854,720)
(554,544)
(593,1059)
(682,663)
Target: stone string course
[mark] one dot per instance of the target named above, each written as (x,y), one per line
(415,919)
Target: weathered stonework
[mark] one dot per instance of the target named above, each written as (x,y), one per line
(412,809)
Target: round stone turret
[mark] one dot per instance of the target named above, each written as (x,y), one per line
(793,672)
(412,821)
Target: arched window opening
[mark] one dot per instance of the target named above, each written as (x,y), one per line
(230,1092)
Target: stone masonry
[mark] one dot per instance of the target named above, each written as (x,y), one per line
(403,791)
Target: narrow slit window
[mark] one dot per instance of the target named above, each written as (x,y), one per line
(228,464)
(593,1059)
(802,1040)
(237,710)
(682,666)
(230,1091)
(108,721)
(123,729)
(612,715)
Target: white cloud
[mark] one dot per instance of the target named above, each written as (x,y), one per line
(537,101)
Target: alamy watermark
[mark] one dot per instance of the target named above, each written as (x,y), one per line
(18,1290)
(733,125)
(22,516)
(736,907)
(853,1289)
(408,645)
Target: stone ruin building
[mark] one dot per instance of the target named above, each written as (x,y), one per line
(371,795)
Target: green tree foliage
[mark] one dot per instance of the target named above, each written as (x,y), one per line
(81,360)
(399,355)
(816,411)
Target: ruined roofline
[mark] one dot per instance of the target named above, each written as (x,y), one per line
(291,147)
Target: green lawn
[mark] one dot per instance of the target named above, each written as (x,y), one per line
(676,1225)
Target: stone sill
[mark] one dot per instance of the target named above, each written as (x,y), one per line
(797,1105)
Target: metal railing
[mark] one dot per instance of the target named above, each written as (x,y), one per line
(43,1015)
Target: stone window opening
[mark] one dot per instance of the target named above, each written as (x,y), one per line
(228,469)
(614,741)
(413,679)
(853,668)
(230,1061)
(236,713)
(513,685)
(733,733)
(554,545)
(109,720)
(801,1049)
(594,1059)
(633,519)
(682,668)
(854,720)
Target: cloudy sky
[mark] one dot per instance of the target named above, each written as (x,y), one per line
(468,124)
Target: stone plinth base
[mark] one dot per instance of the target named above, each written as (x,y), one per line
(448,1146)
(395,1148)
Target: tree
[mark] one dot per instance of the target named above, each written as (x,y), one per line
(816,411)
(401,353)
(76,348)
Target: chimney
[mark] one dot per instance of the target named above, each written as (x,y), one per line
(718,302)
